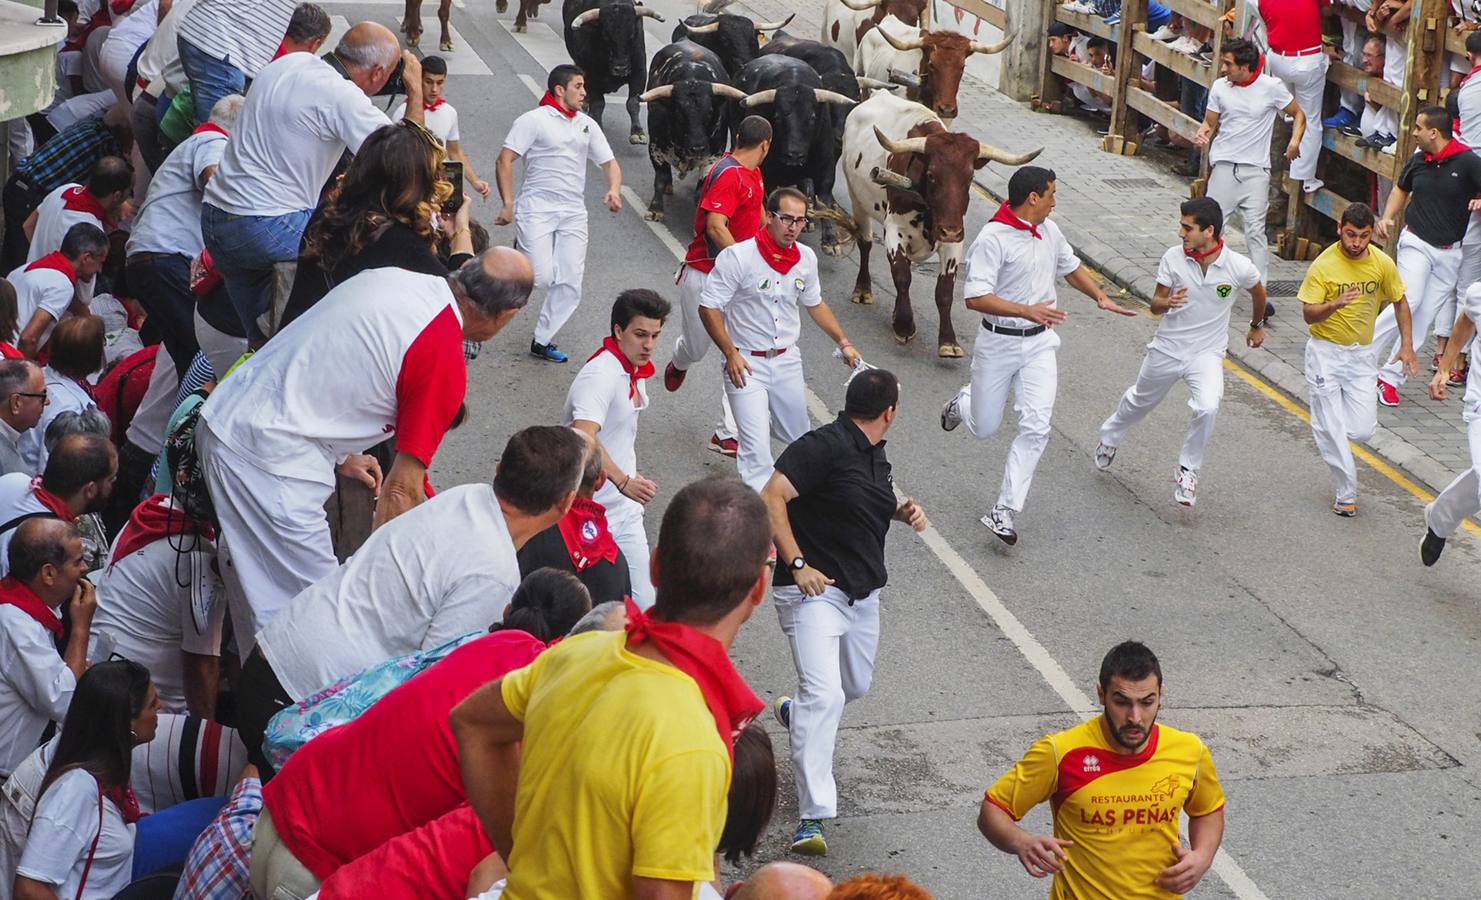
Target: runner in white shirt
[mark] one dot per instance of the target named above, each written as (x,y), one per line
(1461,499)
(750,307)
(555,140)
(604,401)
(380,356)
(1195,296)
(102,202)
(1464,104)
(442,120)
(1011,269)
(46,289)
(1242,106)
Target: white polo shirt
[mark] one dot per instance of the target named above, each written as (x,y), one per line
(1202,324)
(40,288)
(440,570)
(1246,119)
(1013,264)
(601,393)
(245,33)
(35,685)
(555,150)
(58,212)
(299,118)
(170,219)
(763,307)
(380,355)
(442,121)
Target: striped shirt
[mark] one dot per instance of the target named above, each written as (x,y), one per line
(69,157)
(244,33)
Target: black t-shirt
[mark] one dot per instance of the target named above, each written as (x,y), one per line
(604,581)
(1440,193)
(845,502)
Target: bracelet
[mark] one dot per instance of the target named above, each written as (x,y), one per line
(622,488)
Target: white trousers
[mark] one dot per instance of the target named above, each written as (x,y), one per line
(1352,54)
(555,242)
(1378,120)
(1342,386)
(1244,190)
(694,342)
(1204,375)
(625,521)
(274,539)
(1429,276)
(833,645)
(772,404)
(1306,77)
(1461,499)
(221,349)
(1028,367)
(1469,274)
(147,429)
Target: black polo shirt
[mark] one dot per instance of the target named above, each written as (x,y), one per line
(1440,193)
(845,501)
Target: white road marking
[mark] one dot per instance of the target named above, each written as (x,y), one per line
(1043,662)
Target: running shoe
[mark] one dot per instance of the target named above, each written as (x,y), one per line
(673,377)
(1079,7)
(547,352)
(1000,521)
(1163,34)
(724,446)
(1343,118)
(1186,492)
(1114,18)
(1312,185)
(951,414)
(808,838)
(1104,454)
(1388,395)
(1431,545)
(1345,510)
(782,708)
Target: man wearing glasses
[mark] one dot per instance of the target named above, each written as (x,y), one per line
(22,398)
(750,309)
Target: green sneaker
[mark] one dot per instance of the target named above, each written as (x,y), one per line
(782,709)
(808,839)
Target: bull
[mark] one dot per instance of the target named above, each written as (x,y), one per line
(735,39)
(895,51)
(845,22)
(528,9)
(906,171)
(605,38)
(687,90)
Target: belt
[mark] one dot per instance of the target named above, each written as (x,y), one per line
(144,255)
(1307,52)
(767,354)
(1449,246)
(1014,332)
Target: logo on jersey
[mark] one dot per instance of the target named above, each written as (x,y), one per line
(765,285)
(1092,763)
(588,531)
(1224,290)
(1166,788)
(801,284)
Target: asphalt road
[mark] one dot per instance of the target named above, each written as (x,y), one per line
(1332,675)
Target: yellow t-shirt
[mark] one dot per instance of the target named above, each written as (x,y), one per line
(1333,272)
(622,773)
(1120,811)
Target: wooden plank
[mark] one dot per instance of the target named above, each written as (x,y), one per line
(1346,147)
(1080,73)
(1128,68)
(1181,63)
(1326,201)
(1163,114)
(1455,42)
(1050,91)
(1354,79)
(988,13)
(1089,24)
(1198,10)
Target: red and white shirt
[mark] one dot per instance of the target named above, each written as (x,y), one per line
(440,118)
(380,355)
(64,207)
(45,284)
(733,191)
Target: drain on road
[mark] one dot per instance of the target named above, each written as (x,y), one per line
(1131,184)
(1282,288)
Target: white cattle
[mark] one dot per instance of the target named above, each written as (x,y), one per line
(845,21)
(929,63)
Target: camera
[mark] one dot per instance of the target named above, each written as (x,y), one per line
(396,84)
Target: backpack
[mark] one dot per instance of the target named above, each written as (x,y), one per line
(122,390)
(183,462)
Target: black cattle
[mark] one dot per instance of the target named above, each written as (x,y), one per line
(804,152)
(605,38)
(687,97)
(735,39)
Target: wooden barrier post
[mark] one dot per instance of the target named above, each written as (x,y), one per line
(1123,136)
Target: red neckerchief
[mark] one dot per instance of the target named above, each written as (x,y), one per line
(120,7)
(1213,251)
(17,594)
(587,537)
(54,504)
(779,258)
(634,375)
(429,107)
(550,101)
(281,52)
(1254,73)
(8,351)
(731,701)
(153,520)
(80,199)
(1454,148)
(55,260)
(210,127)
(1010,218)
(127,803)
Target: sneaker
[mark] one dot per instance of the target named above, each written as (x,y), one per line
(673,377)
(723,445)
(1000,521)
(1458,377)
(1382,141)
(1185,45)
(1345,510)
(1312,185)
(782,708)
(1367,141)
(951,414)
(1388,395)
(808,838)
(1435,363)
(1431,545)
(1104,454)
(1163,34)
(1342,118)
(1079,7)
(1351,131)
(1114,18)
(547,352)
(1186,492)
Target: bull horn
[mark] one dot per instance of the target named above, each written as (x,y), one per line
(759,98)
(662,92)
(993,154)
(775,26)
(586,18)
(823,96)
(903,45)
(909,145)
(906,81)
(650,13)
(861,5)
(886,178)
(726,91)
(999,47)
(873,84)
(714,6)
(703,29)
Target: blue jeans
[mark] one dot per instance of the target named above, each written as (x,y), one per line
(210,78)
(163,840)
(244,249)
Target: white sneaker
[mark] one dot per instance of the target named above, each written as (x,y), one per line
(1312,185)
(1163,34)
(1186,492)
(1078,7)
(951,414)
(1104,454)
(1000,520)
(1185,45)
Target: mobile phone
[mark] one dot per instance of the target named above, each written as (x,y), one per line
(452,170)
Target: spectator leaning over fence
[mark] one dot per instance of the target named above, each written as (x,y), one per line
(1379,125)
(1350,14)
(1294,29)
(1389,17)
(1237,127)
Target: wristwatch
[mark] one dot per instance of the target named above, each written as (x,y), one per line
(797,565)
(1257,325)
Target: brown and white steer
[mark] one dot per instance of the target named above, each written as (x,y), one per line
(905,170)
(929,63)
(846,21)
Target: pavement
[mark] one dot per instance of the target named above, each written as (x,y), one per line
(1331,675)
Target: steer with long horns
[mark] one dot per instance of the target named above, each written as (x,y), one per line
(688,96)
(906,171)
(605,38)
(929,63)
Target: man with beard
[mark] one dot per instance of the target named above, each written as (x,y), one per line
(1119,783)
(78,480)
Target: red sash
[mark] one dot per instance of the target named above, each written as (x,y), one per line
(55,260)
(80,199)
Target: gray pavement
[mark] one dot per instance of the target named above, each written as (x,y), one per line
(1330,674)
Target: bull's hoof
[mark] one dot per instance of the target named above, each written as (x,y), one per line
(654,215)
(836,248)
(519,28)
(863,298)
(637,137)
(501,6)
(950,350)
(903,339)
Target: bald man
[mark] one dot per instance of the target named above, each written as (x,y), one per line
(300,116)
(381,356)
(784,881)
